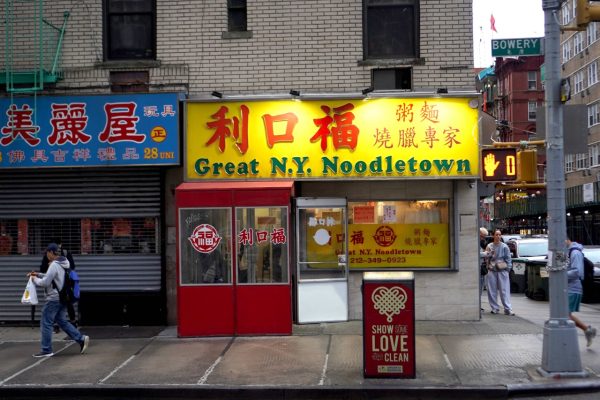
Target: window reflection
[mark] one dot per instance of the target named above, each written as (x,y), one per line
(262,240)
(205,240)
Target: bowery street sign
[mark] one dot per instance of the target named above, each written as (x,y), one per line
(516,47)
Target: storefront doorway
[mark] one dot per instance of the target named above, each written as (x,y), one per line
(233,258)
(322,254)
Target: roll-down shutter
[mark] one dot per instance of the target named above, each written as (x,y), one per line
(106,193)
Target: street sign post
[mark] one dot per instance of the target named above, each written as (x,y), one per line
(517,47)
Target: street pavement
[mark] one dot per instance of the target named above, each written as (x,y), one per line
(496,357)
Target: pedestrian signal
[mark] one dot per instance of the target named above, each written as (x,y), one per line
(499,164)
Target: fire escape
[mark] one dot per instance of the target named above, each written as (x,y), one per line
(32,47)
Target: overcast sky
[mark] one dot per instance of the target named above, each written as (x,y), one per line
(514,19)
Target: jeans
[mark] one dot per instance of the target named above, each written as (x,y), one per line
(53,312)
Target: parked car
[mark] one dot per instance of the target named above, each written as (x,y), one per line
(524,251)
(529,248)
(593,253)
(591,283)
(510,236)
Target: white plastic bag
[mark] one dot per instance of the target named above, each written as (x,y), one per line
(30,293)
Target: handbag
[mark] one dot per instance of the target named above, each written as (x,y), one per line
(501,265)
(209,275)
(483,269)
(30,293)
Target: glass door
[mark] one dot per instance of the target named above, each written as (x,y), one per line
(322,254)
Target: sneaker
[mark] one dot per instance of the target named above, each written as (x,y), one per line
(84,344)
(590,334)
(56,329)
(494,311)
(509,312)
(43,354)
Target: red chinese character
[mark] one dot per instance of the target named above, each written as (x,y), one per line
(59,155)
(19,124)
(383,138)
(150,111)
(168,110)
(222,131)
(68,122)
(15,156)
(357,237)
(105,154)
(262,236)
(81,154)
(278,236)
(121,124)
(450,135)
(407,138)
(39,155)
(429,113)
(289,118)
(430,137)
(246,237)
(404,111)
(343,134)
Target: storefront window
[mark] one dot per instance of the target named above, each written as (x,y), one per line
(262,240)
(136,235)
(321,243)
(398,234)
(205,240)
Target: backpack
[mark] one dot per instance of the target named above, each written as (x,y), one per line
(70,292)
(588,266)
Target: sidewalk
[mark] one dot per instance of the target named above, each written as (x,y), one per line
(496,357)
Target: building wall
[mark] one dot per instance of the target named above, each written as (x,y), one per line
(308,45)
(580,61)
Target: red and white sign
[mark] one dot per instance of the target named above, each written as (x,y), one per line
(205,238)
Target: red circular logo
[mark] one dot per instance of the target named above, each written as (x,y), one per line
(205,238)
(384,236)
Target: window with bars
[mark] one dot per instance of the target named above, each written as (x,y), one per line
(569,163)
(237,16)
(593,114)
(594,153)
(532,80)
(391,29)
(566,51)
(130,29)
(592,32)
(592,73)
(80,235)
(581,160)
(578,82)
(531,110)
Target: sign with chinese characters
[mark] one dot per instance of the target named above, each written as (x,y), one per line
(89,131)
(383,245)
(389,329)
(375,138)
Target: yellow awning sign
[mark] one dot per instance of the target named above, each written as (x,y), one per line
(375,138)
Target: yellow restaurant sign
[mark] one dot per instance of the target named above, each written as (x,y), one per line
(353,138)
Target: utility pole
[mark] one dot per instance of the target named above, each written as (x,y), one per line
(560,354)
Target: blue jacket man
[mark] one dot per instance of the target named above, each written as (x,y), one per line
(53,310)
(575,274)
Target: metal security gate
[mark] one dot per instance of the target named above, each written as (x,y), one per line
(77,205)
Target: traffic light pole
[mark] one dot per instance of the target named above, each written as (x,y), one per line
(560,354)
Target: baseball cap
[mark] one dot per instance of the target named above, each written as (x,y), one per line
(53,247)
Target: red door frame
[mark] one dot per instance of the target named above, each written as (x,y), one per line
(232,309)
